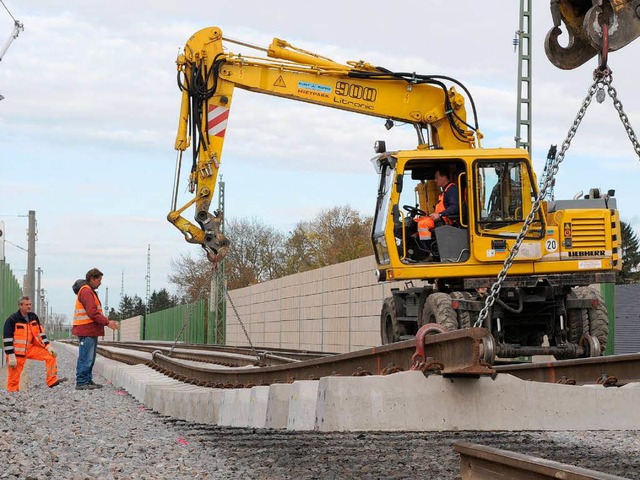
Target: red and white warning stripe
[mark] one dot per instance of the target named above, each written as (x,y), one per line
(217,120)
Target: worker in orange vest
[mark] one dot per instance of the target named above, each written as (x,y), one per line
(447,209)
(23,339)
(88,324)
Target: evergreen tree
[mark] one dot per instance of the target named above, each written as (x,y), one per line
(630,256)
(131,307)
(161,300)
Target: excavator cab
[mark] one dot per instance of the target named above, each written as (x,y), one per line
(418,198)
(495,195)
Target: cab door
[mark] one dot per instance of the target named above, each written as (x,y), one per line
(503,196)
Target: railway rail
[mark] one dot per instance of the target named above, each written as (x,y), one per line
(475,461)
(457,353)
(480,462)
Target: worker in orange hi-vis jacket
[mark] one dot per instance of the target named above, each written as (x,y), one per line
(23,339)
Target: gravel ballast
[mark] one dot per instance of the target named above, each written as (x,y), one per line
(62,433)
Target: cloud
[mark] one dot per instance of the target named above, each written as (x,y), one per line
(91,108)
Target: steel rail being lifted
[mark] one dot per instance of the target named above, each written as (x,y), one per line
(435,354)
(455,353)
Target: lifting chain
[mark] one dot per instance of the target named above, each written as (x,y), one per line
(602,81)
(188,320)
(253,349)
(184,325)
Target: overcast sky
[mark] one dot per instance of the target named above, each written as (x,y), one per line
(88,122)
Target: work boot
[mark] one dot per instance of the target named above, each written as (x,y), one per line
(58,382)
(88,386)
(97,385)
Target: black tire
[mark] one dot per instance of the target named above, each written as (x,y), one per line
(390,328)
(595,321)
(438,309)
(466,318)
(599,321)
(577,318)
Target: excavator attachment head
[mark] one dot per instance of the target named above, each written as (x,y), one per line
(584,20)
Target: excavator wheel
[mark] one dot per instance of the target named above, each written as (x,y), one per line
(577,318)
(466,318)
(438,309)
(392,329)
(597,318)
(589,321)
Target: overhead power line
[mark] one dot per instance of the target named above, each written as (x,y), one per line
(5,7)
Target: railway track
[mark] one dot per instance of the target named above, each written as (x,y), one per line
(230,368)
(479,462)
(450,354)
(200,366)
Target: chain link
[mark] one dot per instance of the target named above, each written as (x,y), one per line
(602,80)
(184,325)
(255,353)
(550,175)
(187,320)
(623,117)
(190,316)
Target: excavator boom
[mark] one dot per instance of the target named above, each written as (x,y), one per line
(208,75)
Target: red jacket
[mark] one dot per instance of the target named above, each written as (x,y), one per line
(95,329)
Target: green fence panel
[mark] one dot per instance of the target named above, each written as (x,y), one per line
(189,322)
(58,334)
(608,291)
(10,292)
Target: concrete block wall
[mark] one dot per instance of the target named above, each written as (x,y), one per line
(129,331)
(332,309)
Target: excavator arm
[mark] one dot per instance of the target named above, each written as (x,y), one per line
(208,75)
(593,27)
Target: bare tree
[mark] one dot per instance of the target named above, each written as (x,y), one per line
(334,236)
(259,252)
(256,253)
(192,276)
(56,321)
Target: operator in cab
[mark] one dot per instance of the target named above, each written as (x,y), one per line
(447,209)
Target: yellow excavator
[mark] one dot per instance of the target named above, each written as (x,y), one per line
(569,245)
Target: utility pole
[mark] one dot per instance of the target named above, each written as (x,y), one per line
(1,241)
(219,288)
(42,313)
(29,288)
(146,306)
(37,302)
(522,40)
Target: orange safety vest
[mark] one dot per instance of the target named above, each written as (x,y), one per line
(26,334)
(80,316)
(426,224)
(440,205)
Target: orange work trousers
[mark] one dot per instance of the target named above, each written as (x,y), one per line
(34,352)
